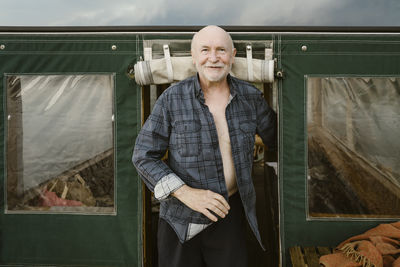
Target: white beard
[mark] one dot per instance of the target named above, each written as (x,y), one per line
(213,76)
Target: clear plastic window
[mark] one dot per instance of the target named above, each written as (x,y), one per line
(60,143)
(353,126)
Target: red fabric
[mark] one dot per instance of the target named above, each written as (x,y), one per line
(50,199)
(378,247)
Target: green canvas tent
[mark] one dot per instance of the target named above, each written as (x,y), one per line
(72,109)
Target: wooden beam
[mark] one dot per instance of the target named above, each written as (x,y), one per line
(296,256)
(311,256)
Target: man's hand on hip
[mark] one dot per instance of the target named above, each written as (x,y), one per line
(203,201)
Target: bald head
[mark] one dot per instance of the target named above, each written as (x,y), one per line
(209,33)
(213,54)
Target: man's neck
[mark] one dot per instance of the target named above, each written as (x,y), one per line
(216,96)
(217,89)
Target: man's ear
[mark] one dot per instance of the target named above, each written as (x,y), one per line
(233,54)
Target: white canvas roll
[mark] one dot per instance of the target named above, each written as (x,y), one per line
(156,72)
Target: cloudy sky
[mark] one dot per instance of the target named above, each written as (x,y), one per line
(200,12)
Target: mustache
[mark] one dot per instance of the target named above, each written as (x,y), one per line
(215,66)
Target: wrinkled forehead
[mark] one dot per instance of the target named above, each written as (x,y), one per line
(212,37)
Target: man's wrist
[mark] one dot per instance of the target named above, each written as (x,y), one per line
(180,191)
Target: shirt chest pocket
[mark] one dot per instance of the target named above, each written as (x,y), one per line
(248,132)
(188,138)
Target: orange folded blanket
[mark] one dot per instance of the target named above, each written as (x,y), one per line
(377,247)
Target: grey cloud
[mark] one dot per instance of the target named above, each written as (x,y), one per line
(117,13)
(368,13)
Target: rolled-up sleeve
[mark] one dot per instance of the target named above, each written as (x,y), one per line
(167,185)
(150,147)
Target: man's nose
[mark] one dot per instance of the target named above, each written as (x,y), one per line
(213,57)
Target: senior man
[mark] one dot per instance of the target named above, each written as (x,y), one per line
(207,123)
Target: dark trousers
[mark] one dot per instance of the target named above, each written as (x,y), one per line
(221,244)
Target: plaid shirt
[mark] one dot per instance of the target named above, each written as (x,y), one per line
(182,124)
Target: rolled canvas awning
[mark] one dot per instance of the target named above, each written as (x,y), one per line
(172,69)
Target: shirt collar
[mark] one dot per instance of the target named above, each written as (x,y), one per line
(199,92)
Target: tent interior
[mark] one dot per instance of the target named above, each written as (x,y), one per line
(353,153)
